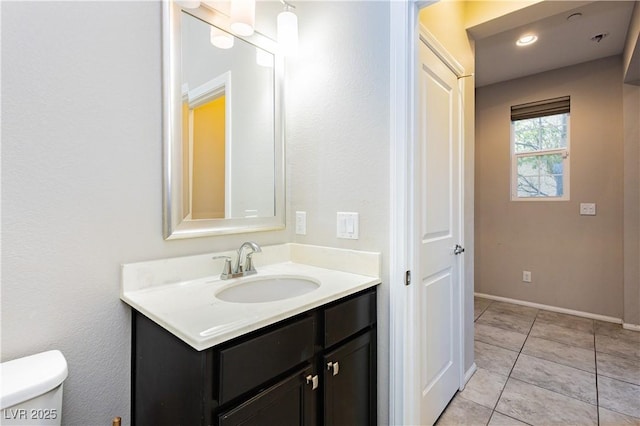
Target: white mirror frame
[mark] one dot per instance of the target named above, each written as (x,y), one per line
(175,226)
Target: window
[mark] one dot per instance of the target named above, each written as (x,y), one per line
(540,150)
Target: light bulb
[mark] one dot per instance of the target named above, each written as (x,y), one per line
(288,33)
(243,17)
(221,39)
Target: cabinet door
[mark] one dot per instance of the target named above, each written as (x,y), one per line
(290,402)
(168,378)
(350,383)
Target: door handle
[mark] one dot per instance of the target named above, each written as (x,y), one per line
(458,249)
(313,381)
(334,367)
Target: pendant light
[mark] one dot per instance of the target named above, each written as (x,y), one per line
(221,39)
(288,30)
(243,17)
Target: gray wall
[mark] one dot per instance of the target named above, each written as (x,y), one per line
(631,102)
(576,261)
(631,97)
(82,175)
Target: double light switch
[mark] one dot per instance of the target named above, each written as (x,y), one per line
(347,225)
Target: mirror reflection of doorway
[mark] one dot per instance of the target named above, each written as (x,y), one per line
(206,151)
(208,163)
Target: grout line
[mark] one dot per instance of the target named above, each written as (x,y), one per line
(511,417)
(559,363)
(556,392)
(483,311)
(512,367)
(617,379)
(474,324)
(550,390)
(618,354)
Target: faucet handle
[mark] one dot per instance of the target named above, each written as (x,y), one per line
(248,264)
(226,270)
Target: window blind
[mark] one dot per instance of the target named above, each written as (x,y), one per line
(541,108)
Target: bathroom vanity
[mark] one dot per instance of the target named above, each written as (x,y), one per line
(318,367)
(303,360)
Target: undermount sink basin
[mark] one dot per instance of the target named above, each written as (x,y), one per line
(267,289)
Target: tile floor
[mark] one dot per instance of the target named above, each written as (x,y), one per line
(544,368)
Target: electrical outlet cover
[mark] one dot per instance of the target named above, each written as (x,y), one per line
(587,209)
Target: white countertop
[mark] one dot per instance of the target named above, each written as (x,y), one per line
(167,292)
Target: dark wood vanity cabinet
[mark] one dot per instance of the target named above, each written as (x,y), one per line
(317,368)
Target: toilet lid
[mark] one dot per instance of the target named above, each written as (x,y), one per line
(25,378)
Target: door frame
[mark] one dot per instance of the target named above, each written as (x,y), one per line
(405,31)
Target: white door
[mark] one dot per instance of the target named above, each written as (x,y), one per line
(437,209)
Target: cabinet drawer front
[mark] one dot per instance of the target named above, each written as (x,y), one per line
(288,402)
(347,318)
(253,362)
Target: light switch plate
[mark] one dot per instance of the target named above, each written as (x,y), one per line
(347,225)
(587,209)
(301,223)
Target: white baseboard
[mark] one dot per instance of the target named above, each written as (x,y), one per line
(560,310)
(468,374)
(632,327)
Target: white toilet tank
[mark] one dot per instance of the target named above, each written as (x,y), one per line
(31,389)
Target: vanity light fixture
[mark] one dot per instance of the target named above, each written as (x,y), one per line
(221,39)
(527,39)
(288,30)
(243,17)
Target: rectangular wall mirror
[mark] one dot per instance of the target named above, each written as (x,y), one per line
(223,129)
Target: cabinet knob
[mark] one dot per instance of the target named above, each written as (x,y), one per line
(333,366)
(313,381)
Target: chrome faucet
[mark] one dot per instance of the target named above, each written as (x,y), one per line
(248,268)
(240,269)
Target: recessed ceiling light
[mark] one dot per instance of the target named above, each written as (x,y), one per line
(527,39)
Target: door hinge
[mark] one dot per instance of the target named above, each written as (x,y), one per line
(407,278)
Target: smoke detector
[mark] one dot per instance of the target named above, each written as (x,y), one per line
(574,16)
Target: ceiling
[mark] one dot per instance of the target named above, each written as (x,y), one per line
(561,42)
